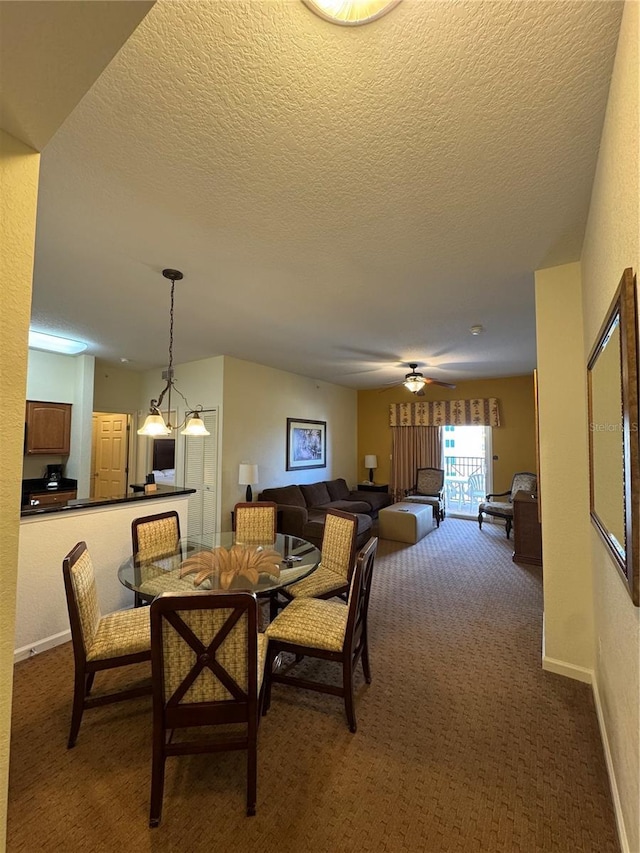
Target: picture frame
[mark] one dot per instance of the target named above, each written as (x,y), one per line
(614,453)
(306,444)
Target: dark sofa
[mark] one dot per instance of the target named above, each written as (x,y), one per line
(303,508)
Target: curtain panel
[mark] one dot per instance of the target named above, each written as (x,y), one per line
(446,413)
(413,448)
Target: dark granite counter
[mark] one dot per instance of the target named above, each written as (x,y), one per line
(88,503)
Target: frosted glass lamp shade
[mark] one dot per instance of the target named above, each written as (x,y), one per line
(195,426)
(154,425)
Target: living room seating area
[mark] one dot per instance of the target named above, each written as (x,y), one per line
(303,508)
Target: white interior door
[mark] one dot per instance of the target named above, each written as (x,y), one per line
(201,474)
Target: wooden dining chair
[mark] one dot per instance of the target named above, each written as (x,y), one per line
(338,554)
(330,630)
(255,523)
(154,537)
(207,667)
(99,642)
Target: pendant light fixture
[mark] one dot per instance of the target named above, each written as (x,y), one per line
(155,424)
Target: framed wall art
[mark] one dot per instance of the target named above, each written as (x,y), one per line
(306,444)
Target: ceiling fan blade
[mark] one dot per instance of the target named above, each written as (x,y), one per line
(438,382)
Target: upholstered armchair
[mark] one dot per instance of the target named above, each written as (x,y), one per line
(523,481)
(429,490)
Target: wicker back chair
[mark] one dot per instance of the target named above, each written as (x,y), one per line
(154,537)
(255,523)
(331,630)
(99,642)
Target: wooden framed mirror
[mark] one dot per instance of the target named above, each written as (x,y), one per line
(613,432)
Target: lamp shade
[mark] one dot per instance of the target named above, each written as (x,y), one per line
(370,461)
(248,474)
(195,426)
(154,425)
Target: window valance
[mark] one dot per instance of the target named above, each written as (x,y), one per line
(446,413)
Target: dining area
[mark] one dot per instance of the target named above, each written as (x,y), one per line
(216,621)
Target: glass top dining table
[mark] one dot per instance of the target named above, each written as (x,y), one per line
(218,562)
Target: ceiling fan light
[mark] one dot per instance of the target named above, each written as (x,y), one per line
(350,13)
(154,425)
(195,426)
(414,383)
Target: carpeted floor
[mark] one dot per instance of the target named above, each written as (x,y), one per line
(463,742)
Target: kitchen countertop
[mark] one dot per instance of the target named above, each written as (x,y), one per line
(87,503)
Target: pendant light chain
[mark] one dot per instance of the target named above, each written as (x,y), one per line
(170,371)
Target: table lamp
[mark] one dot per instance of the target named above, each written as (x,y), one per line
(370,462)
(247,476)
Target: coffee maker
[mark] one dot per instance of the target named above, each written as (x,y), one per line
(53,476)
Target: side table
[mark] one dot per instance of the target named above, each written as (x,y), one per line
(372,487)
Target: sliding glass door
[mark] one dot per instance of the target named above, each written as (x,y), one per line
(466,454)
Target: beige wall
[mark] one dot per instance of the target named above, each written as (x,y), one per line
(564,477)
(257,402)
(513,441)
(612,243)
(116,389)
(19,167)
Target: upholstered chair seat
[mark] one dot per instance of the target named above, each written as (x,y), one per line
(329,630)
(333,575)
(99,642)
(428,490)
(522,481)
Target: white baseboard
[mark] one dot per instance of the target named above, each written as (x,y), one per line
(41,646)
(570,670)
(580,673)
(615,796)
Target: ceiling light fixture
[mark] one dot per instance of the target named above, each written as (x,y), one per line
(414,381)
(350,13)
(476,330)
(155,424)
(53,343)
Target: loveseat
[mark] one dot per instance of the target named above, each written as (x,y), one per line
(302,509)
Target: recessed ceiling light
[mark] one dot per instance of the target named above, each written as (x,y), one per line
(476,330)
(350,13)
(53,343)
(124,360)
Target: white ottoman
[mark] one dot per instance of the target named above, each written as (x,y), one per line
(405,522)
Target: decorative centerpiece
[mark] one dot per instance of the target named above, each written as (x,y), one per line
(239,560)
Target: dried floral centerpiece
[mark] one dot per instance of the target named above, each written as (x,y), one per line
(238,561)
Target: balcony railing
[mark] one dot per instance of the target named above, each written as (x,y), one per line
(463,466)
(463,497)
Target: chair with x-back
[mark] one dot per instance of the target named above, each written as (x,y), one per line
(207,664)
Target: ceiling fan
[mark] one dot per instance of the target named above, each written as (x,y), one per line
(415,381)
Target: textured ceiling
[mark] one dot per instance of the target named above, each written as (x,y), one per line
(340,200)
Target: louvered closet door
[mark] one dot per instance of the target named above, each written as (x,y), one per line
(201,474)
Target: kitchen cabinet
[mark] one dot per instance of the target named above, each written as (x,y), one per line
(47,428)
(52,498)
